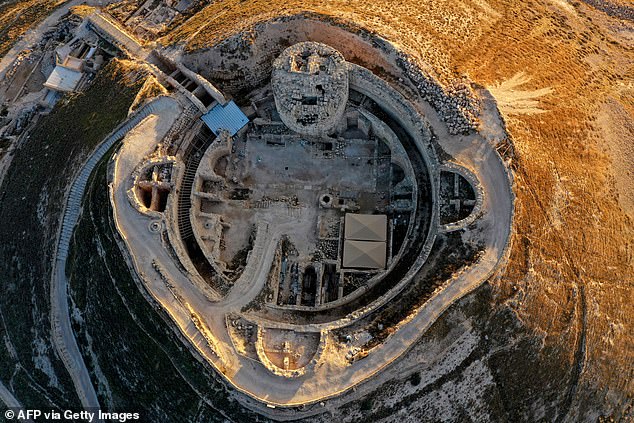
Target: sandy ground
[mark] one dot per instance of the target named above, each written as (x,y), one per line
(572,228)
(331,375)
(615,121)
(573,233)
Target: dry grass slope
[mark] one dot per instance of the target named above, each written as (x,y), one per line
(573,239)
(16,17)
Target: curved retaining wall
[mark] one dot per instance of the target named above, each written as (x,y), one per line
(477,189)
(63,335)
(266,362)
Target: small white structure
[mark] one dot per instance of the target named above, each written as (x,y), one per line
(69,67)
(63,79)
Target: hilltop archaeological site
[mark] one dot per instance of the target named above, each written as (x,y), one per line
(318,211)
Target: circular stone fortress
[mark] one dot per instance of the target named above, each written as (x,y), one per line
(303,236)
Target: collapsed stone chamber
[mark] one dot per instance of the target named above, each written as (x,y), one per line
(310,86)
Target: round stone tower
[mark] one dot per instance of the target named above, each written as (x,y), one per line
(310,86)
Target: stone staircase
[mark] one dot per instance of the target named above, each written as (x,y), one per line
(63,335)
(193,157)
(73,204)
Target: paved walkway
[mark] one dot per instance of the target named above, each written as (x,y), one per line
(10,401)
(7,398)
(330,377)
(63,335)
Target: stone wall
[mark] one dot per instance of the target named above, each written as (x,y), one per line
(244,61)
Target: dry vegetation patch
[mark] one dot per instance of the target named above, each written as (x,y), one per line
(572,242)
(16,17)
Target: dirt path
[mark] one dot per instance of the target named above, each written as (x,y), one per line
(63,334)
(35,34)
(329,379)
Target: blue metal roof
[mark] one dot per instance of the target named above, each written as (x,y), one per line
(228,117)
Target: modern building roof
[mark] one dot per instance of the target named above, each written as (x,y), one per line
(364,254)
(228,117)
(63,79)
(366,227)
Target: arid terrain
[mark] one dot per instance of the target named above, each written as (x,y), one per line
(562,75)
(548,337)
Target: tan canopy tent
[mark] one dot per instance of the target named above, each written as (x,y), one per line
(364,254)
(365,241)
(366,227)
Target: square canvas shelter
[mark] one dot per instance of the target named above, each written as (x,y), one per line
(365,243)
(364,254)
(366,227)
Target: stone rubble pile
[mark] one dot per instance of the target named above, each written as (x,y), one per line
(612,9)
(456,104)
